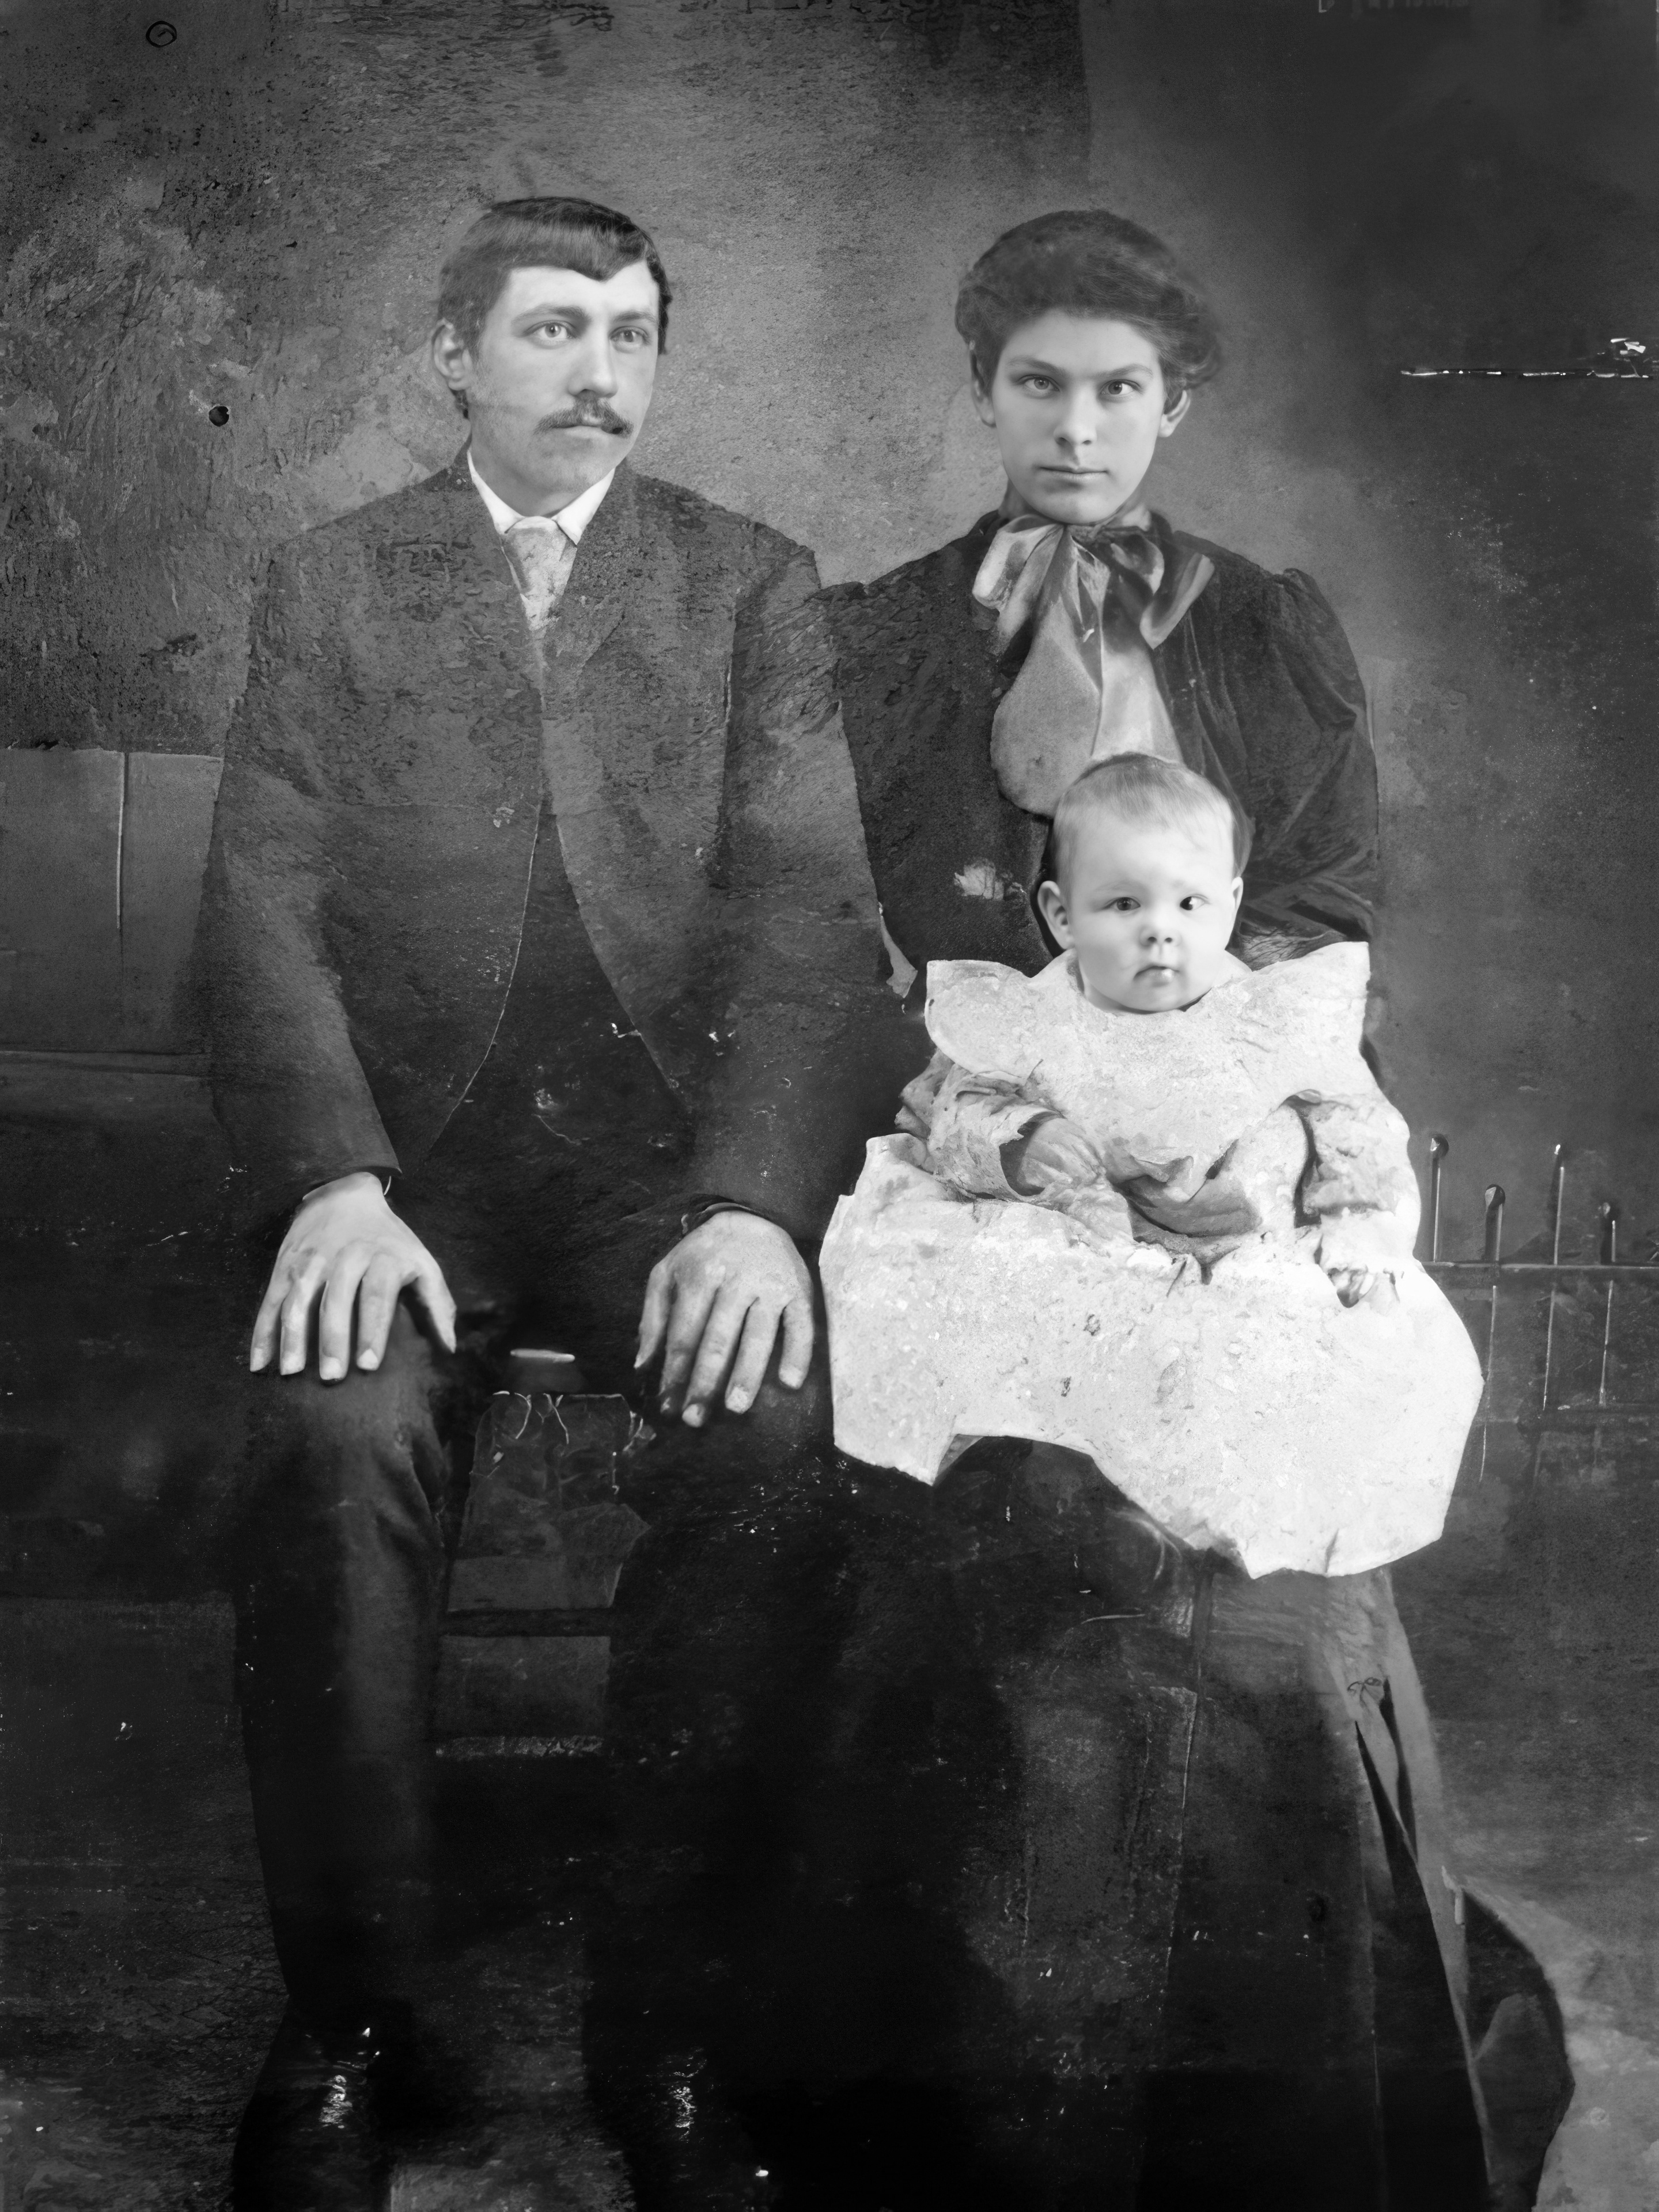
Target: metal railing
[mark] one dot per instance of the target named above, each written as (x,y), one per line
(1545,1329)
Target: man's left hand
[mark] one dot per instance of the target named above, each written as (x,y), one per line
(716,1303)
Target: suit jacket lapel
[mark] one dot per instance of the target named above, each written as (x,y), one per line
(606,564)
(481,580)
(637,901)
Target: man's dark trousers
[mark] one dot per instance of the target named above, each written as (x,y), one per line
(546,1201)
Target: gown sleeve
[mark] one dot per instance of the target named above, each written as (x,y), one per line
(1359,1186)
(965,1120)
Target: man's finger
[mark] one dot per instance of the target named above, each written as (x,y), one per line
(434,1294)
(760,1333)
(262,1345)
(653,1314)
(717,1343)
(693,1295)
(297,1308)
(335,1315)
(798,1335)
(377,1301)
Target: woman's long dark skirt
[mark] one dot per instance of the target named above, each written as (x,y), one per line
(981,1847)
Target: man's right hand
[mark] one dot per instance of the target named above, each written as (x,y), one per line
(346,1247)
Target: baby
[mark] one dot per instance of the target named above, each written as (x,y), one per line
(1149,863)
(1260,1364)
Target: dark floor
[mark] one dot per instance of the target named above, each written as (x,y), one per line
(139,1986)
(139,1991)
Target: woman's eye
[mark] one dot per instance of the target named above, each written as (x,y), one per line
(1040,385)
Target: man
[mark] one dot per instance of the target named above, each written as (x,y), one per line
(537,928)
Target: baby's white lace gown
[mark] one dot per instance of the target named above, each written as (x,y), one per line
(1240,1404)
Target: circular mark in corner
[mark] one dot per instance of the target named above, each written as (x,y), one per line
(159,33)
(218,417)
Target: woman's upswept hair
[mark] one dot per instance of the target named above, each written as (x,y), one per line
(1144,787)
(1083,261)
(545,234)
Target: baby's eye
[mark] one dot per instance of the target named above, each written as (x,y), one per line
(1124,906)
(1193,901)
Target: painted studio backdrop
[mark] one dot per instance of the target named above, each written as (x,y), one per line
(1428,231)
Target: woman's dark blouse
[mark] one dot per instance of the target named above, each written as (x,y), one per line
(1264,699)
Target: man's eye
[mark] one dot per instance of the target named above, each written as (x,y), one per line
(1038,384)
(631,338)
(558,330)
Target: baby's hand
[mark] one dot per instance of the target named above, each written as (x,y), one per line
(1053,1154)
(1361,1253)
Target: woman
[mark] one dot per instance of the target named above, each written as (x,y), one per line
(978,682)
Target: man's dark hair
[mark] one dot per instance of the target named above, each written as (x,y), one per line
(1083,261)
(547,233)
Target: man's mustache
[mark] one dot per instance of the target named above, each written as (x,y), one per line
(587,418)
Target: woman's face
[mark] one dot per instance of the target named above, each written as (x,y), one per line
(1078,405)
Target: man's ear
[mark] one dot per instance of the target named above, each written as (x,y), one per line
(1051,901)
(451,358)
(1175,416)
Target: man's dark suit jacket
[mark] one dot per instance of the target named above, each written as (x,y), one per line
(1264,700)
(377,821)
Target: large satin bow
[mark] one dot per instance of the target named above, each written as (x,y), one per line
(1127,557)
(1097,598)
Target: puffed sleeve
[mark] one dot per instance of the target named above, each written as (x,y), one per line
(1312,872)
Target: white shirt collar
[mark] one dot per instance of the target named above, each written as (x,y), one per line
(572,519)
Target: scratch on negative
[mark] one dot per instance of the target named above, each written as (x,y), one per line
(1186,1775)
(980,879)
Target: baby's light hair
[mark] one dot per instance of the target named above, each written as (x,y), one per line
(1144,787)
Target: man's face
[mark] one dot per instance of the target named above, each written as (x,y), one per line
(1148,909)
(559,381)
(1078,405)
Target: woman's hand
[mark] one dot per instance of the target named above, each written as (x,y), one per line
(1219,1209)
(347,1248)
(719,1300)
(1053,1154)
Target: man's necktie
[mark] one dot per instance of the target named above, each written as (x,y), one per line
(541,556)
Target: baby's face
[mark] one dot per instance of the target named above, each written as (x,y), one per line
(1147,909)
